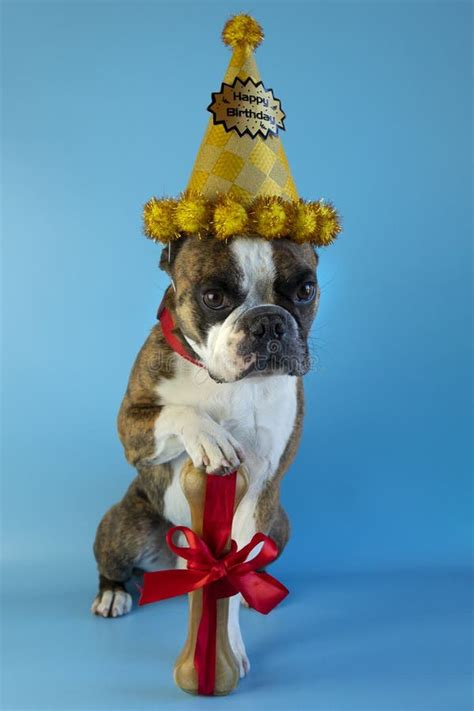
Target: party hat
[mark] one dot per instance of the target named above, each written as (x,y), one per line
(241,182)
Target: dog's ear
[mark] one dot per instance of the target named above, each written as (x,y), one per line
(169,253)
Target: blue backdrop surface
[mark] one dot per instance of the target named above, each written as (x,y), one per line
(103,106)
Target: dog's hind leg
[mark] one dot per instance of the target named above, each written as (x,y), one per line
(130,538)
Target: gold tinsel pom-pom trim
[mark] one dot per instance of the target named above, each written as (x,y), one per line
(193,215)
(329,223)
(268,217)
(304,222)
(242,30)
(230,218)
(159,219)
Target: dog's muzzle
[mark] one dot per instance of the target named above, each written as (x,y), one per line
(271,338)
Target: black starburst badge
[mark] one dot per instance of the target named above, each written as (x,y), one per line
(248,108)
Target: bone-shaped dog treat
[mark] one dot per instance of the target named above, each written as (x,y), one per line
(193,482)
(216,570)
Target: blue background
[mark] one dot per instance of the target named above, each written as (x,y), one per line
(104,105)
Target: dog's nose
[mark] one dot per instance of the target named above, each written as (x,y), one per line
(266,326)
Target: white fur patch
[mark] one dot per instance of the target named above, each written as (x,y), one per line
(235,636)
(259,413)
(255,259)
(219,353)
(174,499)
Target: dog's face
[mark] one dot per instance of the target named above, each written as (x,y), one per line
(245,306)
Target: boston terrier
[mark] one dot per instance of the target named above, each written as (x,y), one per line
(228,393)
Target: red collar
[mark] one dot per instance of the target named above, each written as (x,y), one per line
(167,327)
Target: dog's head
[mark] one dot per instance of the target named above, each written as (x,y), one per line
(245,306)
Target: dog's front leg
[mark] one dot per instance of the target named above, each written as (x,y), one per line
(182,428)
(155,434)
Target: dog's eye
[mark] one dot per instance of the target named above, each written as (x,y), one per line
(306,292)
(214,298)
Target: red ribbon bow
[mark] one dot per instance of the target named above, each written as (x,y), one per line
(220,575)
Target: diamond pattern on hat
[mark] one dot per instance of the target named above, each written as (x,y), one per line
(269,187)
(217,135)
(240,194)
(228,165)
(262,157)
(215,185)
(241,145)
(251,178)
(290,191)
(198,181)
(243,166)
(275,145)
(279,173)
(243,65)
(207,157)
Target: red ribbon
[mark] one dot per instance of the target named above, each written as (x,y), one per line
(220,575)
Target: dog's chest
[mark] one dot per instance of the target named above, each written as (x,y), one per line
(260,413)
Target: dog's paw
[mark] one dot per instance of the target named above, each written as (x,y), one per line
(243,662)
(112,603)
(238,648)
(209,445)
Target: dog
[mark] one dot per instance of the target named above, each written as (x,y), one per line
(242,310)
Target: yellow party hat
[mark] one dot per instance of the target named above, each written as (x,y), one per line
(241,181)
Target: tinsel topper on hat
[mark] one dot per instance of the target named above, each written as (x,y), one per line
(241,182)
